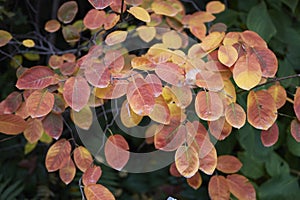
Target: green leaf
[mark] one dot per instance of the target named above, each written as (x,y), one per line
(252,168)
(293,145)
(259,20)
(31,56)
(29,147)
(285,69)
(280,187)
(276,166)
(292,4)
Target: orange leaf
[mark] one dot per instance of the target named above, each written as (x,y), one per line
(227,55)
(115,90)
(279,94)
(218,188)
(146,33)
(267,60)
(91,175)
(295,130)
(235,115)
(114,60)
(55,61)
(198,30)
(228,93)
(173,170)
(52,26)
(142,63)
(76,92)
(140,96)
(67,11)
(116,151)
(39,103)
(94,19)
(208,163)
(111,20)
(240,187)
(53,125)
(22,111)
(215,7)
(269,137)
(212,41)
(82,158)
(208,106)
(5,37)
(83,118)
(231,38)
(170,73)
(252,39)
(228,164)
(140,13)
(116,37)
(68,171)
(155,83)
(12,102)
(195,181)
(200,17)
(160,112)
(163,8)
(34,130)
(128,117)
(247,72)
(37,77)
(186,160)
(220,128)
(261,109)
(210,80)
(12,124)
(97,192)
(297,103)
(57,155)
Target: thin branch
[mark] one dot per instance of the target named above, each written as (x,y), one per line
(122,7)
(193,3)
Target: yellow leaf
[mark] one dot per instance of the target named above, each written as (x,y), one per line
(116,37)
(128,117)
(29,147)
(172,40)
(28,43)
(215,7)
(212,41)
(5,37)
(140,13)
(146,33)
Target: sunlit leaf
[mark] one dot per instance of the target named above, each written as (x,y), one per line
(140,96)
(267,60)
(97,191)
(297,103)
(186,160)
(295,130)
(269,137)
(76,92)
(128,117)
(227,55)
(215,7)
(235,115)
(5,37)
(68,171)
(116,37)
(240,187)
(261,109)
(170,73)
(183,96)
(98,75)
(228,164)
(155,83)
(253,39)
(37,77)
(116,151)
(172,40)
(52,26)
(163,8)
(195,181)
(200,17)
(218,188)
(160,112)
(82,158)
(210,80)
(208,106)
(140,13)
(231,38)
(208,163)
(12,124)
(212,41)
(279,94)
(94,19)
(34,130)
(114,90)
(228,93)
(70,33)
(91,175)
(67,11)
(57,155)
(199,31)
(220,128)
(12,102)
(28,43)
(247,72)
(142,63)
(39,103)
(83,118)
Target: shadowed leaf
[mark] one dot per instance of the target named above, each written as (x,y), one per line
(68,171)
(12,124)
(67,11)
(228,164)
(269,137)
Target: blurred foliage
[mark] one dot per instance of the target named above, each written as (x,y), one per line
(275,171)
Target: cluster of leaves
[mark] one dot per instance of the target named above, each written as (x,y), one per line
(158,84)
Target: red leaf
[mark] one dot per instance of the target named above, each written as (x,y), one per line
(195,181)
(22,111)
(97,192)
(114,60)
(37,77)
(267,60)
(173,170)
(295,129)
(218,188)
(94,19)
(228,164)
(240,187)
(53,125)
(34,130)
(116,151)
(155,83)
(100,4)
(39,103)
(12,124)
(253,39)
(82,158)
(297,103)
(12,102)
(57,155)
(91,175)
(279,94)
(76,92)
(269,137)
(140,96)
(170,73)
(68,171)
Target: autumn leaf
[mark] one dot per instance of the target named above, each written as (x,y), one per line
(227,55)
(183,96)
(212,41)
(186,160)
(100,4)
(140,13)
(11,124)
(146,33)
(67,11)
(83,118)
(53,125)
(267,60)
(5,37)
(82,158)
(269,137)
(220,128)
(208,163)
(71,33)
(297,103)
(161,112)
(215,7)
(52,26)
(68,171)
(252,39)
(12,102)
(34,130)
(91,175)
(114,90)
(57,155)
(97,191)
(279,94)
(295,130)
(155,84)
(163,8)
(173,170)
(195,181)
(228,164)
(218,188)
(116,37)
(128,117)
(235,115)
(172,40)
(94,19)
(39,103)
(240,187)
(28,43)
(170,73)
